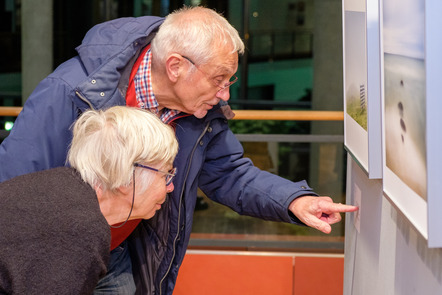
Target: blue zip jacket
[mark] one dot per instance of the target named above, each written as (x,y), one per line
(210,157)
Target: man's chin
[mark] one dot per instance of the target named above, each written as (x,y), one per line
(200,114)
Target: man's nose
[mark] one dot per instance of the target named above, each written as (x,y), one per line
(223,94)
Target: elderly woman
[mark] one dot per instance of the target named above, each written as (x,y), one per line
(55,225)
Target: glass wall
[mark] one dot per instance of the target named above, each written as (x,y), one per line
(283,68)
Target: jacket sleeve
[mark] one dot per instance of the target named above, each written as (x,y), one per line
(234,181)
(40,137)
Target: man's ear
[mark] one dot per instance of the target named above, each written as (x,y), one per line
(174,65)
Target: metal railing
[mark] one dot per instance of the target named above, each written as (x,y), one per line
(289,115)
(247,114)
(10,111)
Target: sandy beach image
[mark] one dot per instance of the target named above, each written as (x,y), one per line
(404,90)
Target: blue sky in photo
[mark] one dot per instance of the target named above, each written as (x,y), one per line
(404,27)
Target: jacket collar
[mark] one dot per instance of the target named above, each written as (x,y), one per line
(107,54)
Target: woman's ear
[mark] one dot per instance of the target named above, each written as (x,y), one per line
(174,65)
(125,190)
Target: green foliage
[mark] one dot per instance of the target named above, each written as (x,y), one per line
(357,113)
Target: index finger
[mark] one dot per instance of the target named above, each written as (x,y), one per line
(342,208)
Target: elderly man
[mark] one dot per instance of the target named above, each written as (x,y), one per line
(179,68)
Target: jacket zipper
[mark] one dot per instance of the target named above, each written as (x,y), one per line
(181,198)
(84,99)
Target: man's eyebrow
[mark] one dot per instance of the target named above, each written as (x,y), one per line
(221,69)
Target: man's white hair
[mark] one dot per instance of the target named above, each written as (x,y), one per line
(194,32)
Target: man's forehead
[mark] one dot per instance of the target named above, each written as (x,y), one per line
(225,63)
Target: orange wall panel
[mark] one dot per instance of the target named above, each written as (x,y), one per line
(318,275)
(244,273)
(220,274)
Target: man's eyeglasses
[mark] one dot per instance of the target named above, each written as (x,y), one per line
(221,85)
(169,175)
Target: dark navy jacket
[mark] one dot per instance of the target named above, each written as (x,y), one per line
(210,157)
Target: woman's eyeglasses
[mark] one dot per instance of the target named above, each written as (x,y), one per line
(169,174)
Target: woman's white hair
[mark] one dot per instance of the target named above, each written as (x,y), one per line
(107,143)
(194,32)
